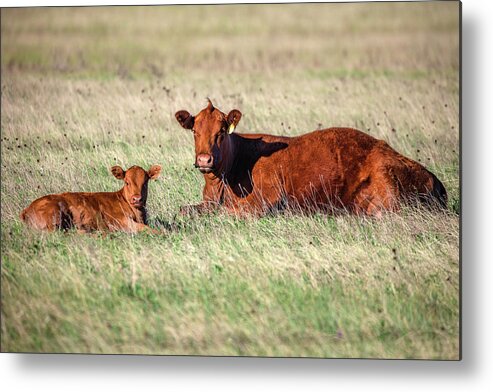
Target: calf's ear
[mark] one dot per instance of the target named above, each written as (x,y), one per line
(118,172)
(234,117)
(154,172)
(185,119)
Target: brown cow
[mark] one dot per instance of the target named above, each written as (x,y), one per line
(330,169)
(122,210)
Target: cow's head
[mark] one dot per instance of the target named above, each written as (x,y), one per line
(136,179)
(211,130)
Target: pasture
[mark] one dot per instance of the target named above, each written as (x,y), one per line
(83,89)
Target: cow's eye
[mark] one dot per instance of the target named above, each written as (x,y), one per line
(127,183)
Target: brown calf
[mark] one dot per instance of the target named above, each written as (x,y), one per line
(335,168)
(122,210)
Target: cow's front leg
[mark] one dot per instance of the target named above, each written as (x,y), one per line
(211,199)
(256,204)
(249,208)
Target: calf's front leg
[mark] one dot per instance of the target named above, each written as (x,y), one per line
(198,209)
(140,227)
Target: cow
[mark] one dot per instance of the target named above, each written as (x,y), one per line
(334,169)
(123,210)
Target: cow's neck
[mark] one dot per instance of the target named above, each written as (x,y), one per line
(229,152)
(217,181)
(214,188)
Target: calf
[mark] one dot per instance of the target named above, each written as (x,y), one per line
(112,211)
(330,169)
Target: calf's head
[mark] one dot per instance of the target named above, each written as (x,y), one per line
(211,130)
(136,179)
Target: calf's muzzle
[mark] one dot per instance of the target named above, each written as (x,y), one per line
(136,200)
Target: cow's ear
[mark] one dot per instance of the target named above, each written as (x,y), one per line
(154,172)
(234,117)
(118,172)
(185,119)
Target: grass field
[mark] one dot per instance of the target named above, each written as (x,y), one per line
(84,89)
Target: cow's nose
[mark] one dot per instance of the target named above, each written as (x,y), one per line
(204,160)
(136,199)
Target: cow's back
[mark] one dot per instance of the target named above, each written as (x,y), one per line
(315,166)
(305,153)
(340,167)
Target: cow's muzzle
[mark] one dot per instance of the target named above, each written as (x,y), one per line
(205,163)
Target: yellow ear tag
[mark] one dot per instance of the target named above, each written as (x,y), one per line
(231,128)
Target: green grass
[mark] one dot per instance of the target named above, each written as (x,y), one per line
(85,89)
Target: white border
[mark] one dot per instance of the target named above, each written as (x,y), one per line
(88,373)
